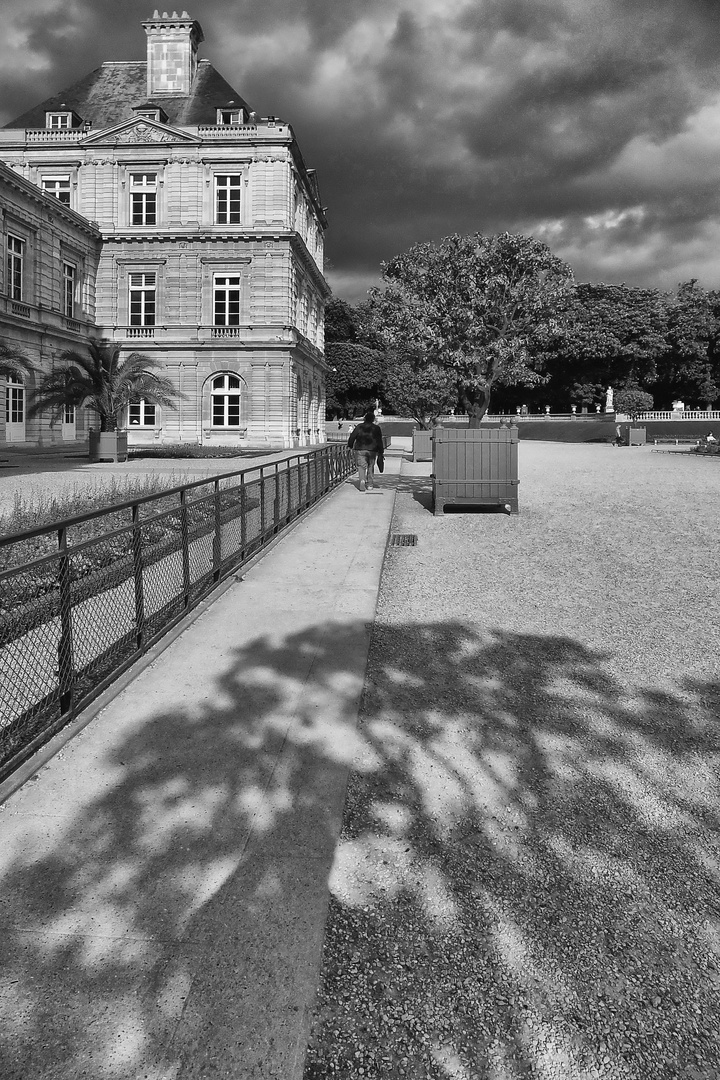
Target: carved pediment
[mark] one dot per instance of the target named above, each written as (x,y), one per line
(137,131)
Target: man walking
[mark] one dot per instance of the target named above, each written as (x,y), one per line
(367,441)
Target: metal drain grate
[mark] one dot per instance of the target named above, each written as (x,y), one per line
(403,540)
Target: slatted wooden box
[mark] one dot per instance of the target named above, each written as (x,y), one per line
(475,467)
(422,445)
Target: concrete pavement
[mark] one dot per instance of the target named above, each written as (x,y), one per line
(163,877)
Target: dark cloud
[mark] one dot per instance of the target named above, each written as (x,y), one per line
(595,124)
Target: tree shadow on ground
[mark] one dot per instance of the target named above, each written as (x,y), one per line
(527,874)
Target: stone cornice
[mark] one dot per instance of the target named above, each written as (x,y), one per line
(48,202)
(299,248)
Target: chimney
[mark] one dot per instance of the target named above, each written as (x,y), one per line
(172,45)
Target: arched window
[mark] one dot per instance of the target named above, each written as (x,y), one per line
(226,395)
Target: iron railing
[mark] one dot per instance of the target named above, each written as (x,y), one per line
(83,599)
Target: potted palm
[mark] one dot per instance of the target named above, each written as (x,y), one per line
(107,383)
(14,364)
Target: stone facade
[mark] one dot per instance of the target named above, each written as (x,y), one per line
(47,298)
(212,238)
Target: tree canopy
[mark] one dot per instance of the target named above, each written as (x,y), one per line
(474,305)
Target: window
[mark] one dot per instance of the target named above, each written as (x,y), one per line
(226,401)
(68,414)
(59,186)
(15,259)
(58,119)
(143,198)
(14,402)
(142,299)
(141,414)
(229,116)
(226,299)
(227,200)
(69,280)
(148,114)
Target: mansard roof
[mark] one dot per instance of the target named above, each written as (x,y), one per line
(107,96)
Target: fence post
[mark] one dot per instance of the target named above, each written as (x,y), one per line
(66,665)
(276,510)
(243,516)
(289,471)
(262,502)
(217,538)
(138,576)
(185,546)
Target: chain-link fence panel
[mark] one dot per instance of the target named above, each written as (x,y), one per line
(82,599)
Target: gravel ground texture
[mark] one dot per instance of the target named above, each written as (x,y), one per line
(527,882)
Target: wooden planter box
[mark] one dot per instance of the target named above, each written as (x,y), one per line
(422,445)
(637,436)
(475,467)
(108,445)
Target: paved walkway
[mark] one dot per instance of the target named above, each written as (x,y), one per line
(163,877)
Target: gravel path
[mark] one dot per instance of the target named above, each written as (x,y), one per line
(528,878)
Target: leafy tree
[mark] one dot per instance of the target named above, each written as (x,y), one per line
(632,400)
(423,390)
(104,382)
(586,393)
(341,320)
(355,377)
(690,367)
(14,364)
(475,305)
(610,334)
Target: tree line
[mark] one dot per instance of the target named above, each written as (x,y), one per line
(471,318)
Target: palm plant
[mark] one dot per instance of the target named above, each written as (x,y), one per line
(104,382)
(14,364)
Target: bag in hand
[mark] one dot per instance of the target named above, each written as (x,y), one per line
(381,464)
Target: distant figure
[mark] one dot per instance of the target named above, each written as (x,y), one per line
(367,441)
(710,438)
(339,425)
(618,440)
(609,400)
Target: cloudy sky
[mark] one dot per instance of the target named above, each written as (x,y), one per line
(593,124)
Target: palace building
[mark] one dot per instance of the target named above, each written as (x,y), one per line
(211,243)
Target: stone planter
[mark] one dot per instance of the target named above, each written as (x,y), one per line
(108,445)
(475,467)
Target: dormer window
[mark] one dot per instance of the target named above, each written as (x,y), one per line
(58,120)
(151,112)
(229,116)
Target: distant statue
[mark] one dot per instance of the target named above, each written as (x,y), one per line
(609,399)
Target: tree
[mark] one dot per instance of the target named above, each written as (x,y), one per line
(341,322)
(609,335)
(355,378)
(14,364)
(690,367)
(632,400)
(104,382)
(476,305)
(423,390)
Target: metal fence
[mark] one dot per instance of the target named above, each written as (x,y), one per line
(81,600)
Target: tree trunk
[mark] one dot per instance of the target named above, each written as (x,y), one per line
(478,406)
(108,423)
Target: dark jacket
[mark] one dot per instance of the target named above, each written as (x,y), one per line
(367,437)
